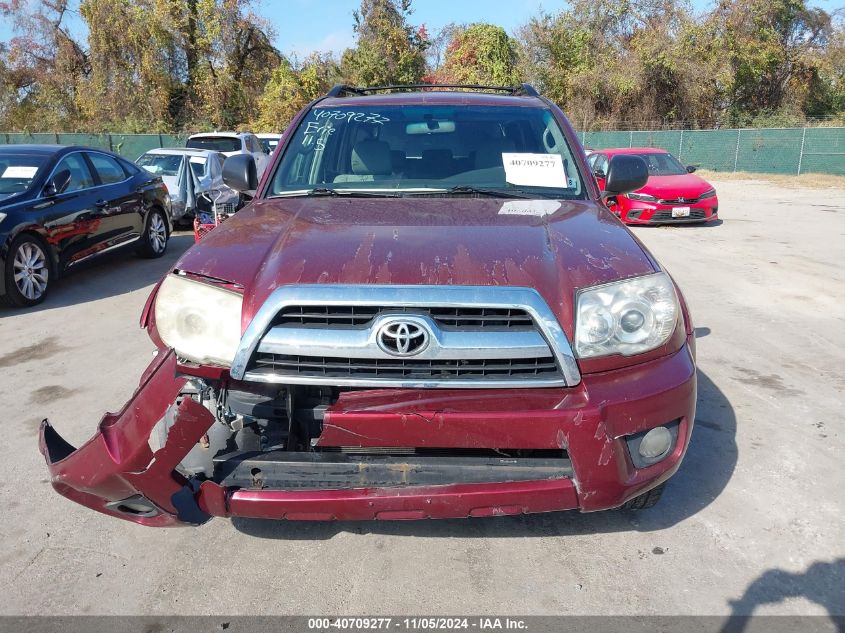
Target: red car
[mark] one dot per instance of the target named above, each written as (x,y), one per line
(425,311)
(672,194)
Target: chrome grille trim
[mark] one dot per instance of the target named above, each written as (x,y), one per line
(360,342)
(549,332)
(513,370)
(493,318)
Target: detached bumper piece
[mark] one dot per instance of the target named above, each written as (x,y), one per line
(116,471)
(387,454)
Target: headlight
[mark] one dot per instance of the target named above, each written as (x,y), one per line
(2,216)
(625,317)
(201,322)
(710,193)
(641,196)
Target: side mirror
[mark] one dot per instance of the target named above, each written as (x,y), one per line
(240,173)
(58,183)
(691,168)
(625,173)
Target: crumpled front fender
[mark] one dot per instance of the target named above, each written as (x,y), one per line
(110,470)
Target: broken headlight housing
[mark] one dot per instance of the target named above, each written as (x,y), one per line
(201,322)
(625,317)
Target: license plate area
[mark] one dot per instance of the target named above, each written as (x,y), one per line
(680,212)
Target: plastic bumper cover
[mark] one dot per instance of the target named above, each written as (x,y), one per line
(117,473)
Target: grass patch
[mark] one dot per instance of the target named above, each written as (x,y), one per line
(813,181)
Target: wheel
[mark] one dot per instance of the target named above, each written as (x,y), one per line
(154,239)
(27,273)
(646,500)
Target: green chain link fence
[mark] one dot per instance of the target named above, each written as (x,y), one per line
(130,146)
(777,151)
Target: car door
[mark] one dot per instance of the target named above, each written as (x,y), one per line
(257,150)
(598,165)
(70,218)
(119,201)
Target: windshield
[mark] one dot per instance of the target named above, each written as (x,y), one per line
(17,171)
(429,148)
(168,164)
(161,164)
(216,143)
(662,164)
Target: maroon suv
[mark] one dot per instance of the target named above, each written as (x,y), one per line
(426,311)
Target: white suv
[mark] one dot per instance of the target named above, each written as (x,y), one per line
(231,143)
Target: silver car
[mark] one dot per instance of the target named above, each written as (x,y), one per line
(188,174)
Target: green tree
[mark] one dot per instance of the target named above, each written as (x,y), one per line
(479,54)
(149,65)
(388,49)
(292,87)
(772,49)
(42,66)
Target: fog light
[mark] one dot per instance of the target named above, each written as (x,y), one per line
(137,505)
(651,446)
(655,443)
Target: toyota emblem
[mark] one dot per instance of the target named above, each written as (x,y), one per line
(402,337)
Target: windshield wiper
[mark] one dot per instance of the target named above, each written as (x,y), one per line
(484,191)
(326,191)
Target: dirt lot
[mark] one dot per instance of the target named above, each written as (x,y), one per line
(752,522)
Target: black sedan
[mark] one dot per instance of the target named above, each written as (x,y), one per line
(60,206)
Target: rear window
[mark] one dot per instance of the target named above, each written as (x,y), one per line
(216,143)
(17,171)
(429,147)
(107,168)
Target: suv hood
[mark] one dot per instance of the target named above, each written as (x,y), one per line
(553,247)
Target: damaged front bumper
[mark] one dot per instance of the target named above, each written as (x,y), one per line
(581,433)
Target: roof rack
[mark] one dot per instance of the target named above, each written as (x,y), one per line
(343,90)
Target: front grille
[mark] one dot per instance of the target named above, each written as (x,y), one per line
(387,369)
(346,315)
(678,201)
(666,216)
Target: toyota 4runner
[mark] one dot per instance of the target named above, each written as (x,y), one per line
(426,311)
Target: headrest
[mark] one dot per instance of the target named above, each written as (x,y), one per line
(371,157)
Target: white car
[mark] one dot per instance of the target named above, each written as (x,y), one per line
(207,176)
(231,143)
(269,141)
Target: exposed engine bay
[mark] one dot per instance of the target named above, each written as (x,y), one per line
(270,437)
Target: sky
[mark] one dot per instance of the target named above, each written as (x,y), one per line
(305,26)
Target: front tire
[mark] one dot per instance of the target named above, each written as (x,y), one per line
(646,500)
(155,236)
(27,273)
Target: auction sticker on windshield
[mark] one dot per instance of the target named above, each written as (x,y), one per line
(535,170)
(19,171)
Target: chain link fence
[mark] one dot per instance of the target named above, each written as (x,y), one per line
(129,146)
(776,151)
(762,150)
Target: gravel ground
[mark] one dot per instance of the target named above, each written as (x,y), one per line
(752,522)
